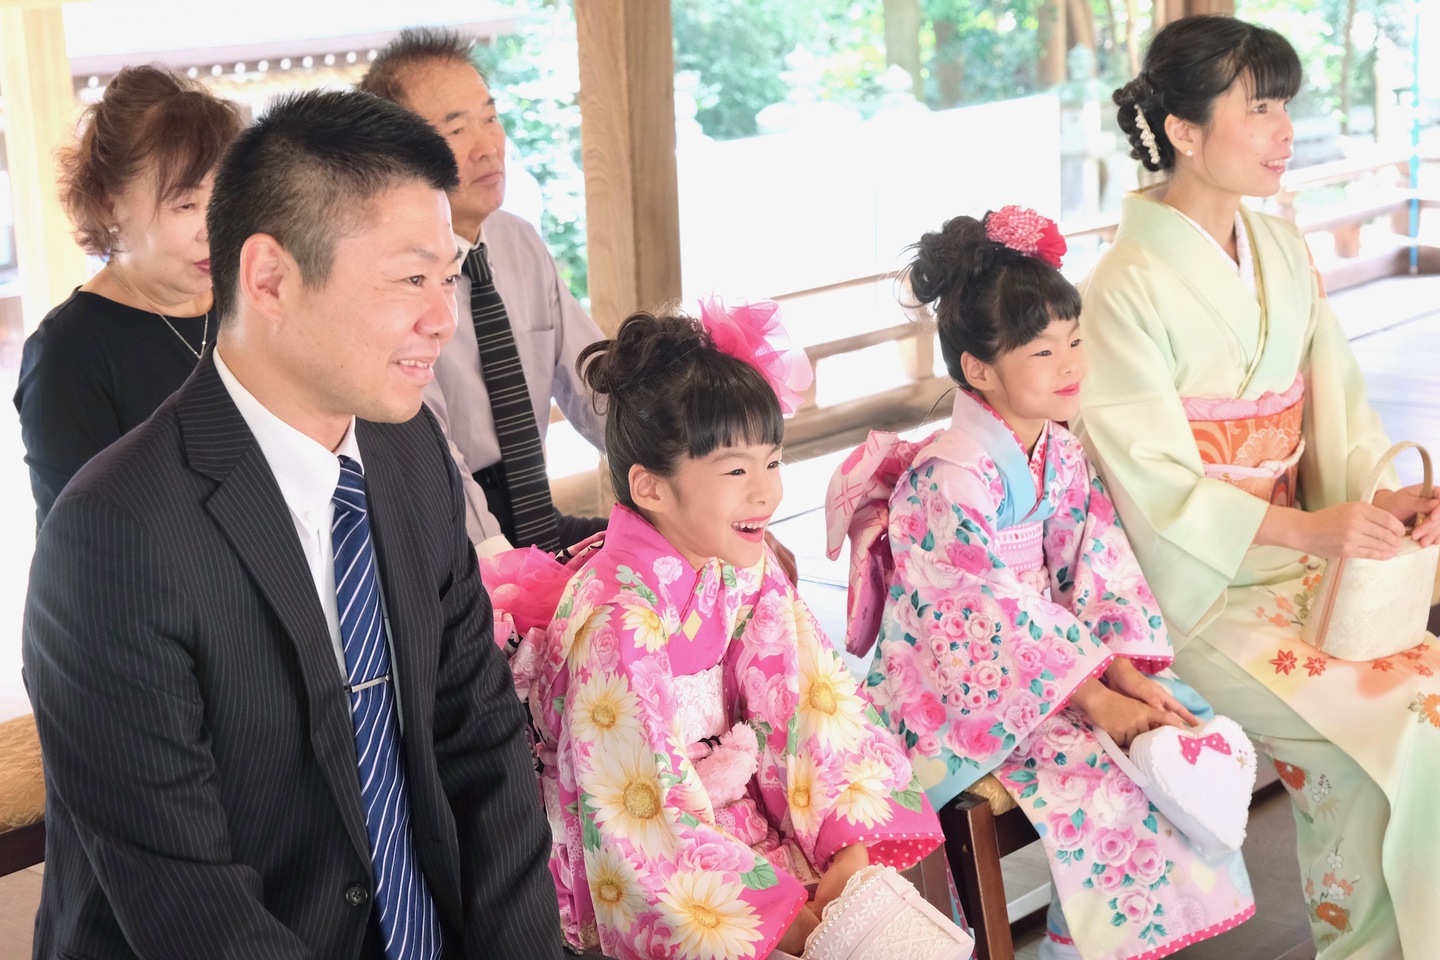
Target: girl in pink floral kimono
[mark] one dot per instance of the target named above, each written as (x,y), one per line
(1011,615)
(706,755)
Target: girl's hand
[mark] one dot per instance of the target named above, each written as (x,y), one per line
(1344,530)
(1405,504)
(801,927)
(1123,676)
(844,865)
(1124,718)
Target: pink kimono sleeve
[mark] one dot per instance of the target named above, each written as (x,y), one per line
(646,864)
(970,661)
(1093,571)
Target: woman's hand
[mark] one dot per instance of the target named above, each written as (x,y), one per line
(1124,677)
(1405,504)
(1344,530)
(844,865)
(793,941)
(1124,718)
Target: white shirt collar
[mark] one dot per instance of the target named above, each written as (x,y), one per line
(306,472)
(467,245)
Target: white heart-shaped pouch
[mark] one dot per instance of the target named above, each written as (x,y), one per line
(1200,779)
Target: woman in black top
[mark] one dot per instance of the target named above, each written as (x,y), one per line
(135,185)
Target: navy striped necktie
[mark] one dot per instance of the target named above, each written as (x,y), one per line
(408,920)
(521,452)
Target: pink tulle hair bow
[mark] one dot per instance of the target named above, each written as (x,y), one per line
(753,333)
(1028,232)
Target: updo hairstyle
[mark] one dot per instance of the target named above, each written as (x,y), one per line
(148,119)
(987,298)
(669,393)
(1189,64)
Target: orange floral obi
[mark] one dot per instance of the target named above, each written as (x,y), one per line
(1252,444)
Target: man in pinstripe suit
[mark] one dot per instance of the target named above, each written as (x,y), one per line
(183,639)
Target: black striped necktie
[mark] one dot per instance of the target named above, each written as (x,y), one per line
(523,457)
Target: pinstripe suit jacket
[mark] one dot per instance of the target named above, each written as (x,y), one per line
(203,798)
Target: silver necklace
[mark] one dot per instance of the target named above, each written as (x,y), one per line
(204,334)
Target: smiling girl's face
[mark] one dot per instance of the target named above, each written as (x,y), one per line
(1034,382)
(718,505)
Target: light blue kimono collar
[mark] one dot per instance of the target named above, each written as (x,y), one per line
(1022,503)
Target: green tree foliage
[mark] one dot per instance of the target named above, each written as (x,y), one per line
(1317,29)
(738,52)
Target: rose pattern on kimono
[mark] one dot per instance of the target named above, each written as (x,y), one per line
(970,657)
(642,867)
(976,664)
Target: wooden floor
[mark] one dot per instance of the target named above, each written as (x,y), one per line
(1395,328)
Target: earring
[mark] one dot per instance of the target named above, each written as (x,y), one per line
(113,228)
(1189,153)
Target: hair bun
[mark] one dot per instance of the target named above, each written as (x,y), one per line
(642,349)
(948,260)
(1133,98)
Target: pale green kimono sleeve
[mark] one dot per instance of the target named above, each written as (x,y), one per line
(1340,428)
(1190,532)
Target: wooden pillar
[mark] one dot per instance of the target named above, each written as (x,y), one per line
(1194,7)
(1051,36)
(627,133)
(1164,11)
(40,113)
(902,40)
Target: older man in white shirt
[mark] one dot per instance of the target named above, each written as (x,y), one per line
(507,494)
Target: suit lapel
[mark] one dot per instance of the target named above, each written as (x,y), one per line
(250,511)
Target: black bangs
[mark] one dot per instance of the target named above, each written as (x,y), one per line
(1029,295)
(1268,65)
(727,403)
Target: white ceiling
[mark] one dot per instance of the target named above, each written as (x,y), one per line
(102,36)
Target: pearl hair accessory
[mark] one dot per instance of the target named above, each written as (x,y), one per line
(1147,136)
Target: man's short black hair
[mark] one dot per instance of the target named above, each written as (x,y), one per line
(414,47)
(305,173)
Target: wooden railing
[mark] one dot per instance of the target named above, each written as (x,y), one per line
(1376,187)
(1379,182)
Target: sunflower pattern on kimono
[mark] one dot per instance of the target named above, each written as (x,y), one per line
(642,866)
(973,653)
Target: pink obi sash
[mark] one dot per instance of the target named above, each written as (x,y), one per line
(1023,550)
(1252,444)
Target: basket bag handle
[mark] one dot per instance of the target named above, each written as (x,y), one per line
(1372,485)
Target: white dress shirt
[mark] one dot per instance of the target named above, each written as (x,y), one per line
(307,474)
(550,331)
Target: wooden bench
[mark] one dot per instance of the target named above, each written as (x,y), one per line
(22,796)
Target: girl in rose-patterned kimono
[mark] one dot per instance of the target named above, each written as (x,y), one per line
(1012,617)
(706,755)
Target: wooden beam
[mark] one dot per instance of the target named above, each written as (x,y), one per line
(40,111)
(627,132)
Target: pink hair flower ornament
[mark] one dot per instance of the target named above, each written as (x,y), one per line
(752,332)
(1023,230)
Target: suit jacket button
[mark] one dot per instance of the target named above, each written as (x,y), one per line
(356,895)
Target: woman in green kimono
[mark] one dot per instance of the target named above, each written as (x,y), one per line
(1228,418)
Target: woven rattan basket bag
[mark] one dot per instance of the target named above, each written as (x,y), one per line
(1368,609)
